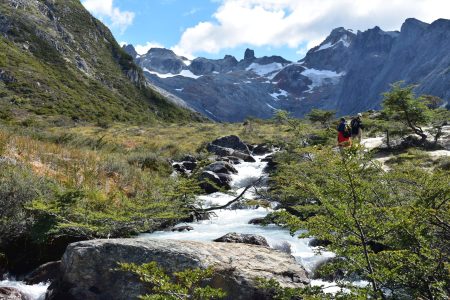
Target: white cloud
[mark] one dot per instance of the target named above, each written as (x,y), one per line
(143,49)
(106,9)
(295,22)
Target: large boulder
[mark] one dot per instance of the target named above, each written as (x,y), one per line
(10,293)
(44,273)
(232,142)
(221,167)
(243,238)
(220,180)
(261,150)
(89,268)
(244,156)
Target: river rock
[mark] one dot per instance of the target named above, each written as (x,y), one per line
(10,293)
(218,150)
(231,159)
(221,167)
(44,273)
(257,221)
(89,267)
(271,164)
(251,239)
(261,150)
(232,142)
(189,165)
(183,228)
(220,180)
(244,156)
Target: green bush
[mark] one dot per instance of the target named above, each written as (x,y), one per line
(184,285)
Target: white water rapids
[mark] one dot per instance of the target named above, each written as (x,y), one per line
(32,292)
(237,220)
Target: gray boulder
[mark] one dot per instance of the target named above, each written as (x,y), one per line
(221,167)
(243,238)
(230,159)
(232,142)
(89,268)
(44,273)
(244,156)
(218,150)
(183,228)
(261,150)
(221,180)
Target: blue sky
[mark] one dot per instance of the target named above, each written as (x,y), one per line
(213,28)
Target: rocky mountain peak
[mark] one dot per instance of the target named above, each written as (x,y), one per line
(130,50)
(413,26)
(249,54)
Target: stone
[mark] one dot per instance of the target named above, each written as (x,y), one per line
(183,228)
(245,157)
(231,159)
(218,150)
(221,167)
(189,165)
(232,142)
(261,150)
(89,268)
(179,168)
(10,293)
(271,164)
(44,273)
(219,179)
(257,221)
(318,243)
(249,54)
(243,238)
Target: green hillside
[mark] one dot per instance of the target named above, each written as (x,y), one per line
(57,60)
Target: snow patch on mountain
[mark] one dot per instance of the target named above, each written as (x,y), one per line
(184,73)
(345,40)
(321,77)
(278,94)
(264,70)
(270,106)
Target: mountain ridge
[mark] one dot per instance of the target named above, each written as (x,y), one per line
(347,72)
(64,63)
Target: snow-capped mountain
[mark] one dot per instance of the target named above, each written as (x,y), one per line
(347,72)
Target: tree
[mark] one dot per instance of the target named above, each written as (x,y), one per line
(323,117)
(416,112)
(390,229)
(401,103)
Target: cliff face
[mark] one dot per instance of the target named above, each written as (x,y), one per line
(347,72)
(60,60)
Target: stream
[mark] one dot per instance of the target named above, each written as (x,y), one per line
(226,221)
(237,220)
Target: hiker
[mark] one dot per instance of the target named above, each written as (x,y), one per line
(357,127)
(344,134)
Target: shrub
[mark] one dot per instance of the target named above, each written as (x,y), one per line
(187,284)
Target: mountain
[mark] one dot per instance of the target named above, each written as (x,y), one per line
(347,72)
(58,60)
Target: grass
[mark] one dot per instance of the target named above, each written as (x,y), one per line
(47,82)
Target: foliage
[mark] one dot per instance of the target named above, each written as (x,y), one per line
(415,112)
(187,284)
(389,228)
(323,117)
(46,77)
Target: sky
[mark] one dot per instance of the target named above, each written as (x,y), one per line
(214,28)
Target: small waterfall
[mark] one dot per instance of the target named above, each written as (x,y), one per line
(228,220)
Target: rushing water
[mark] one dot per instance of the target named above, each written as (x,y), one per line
(33,292)
(227,220)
